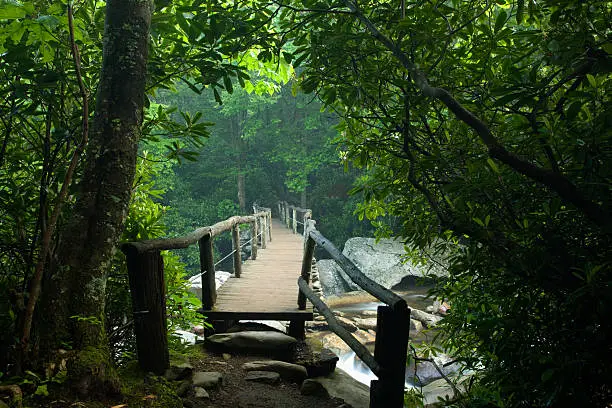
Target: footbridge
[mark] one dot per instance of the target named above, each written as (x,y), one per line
(274,284)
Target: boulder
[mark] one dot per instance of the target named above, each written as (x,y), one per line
(322,364)
(427,373)
(415,326)
(201,393)
(341,385)
(207,379)
(313,387)
(178,372)
(428,319)
(366,324)
(252,341)
(264,377)
(347,324)
(195,282)
(334,281)
(288,371)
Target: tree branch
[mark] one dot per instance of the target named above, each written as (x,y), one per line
(556,182)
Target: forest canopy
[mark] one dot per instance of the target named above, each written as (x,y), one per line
(479,127)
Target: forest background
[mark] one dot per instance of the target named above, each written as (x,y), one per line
(480,128)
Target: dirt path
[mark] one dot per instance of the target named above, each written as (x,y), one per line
(239,393)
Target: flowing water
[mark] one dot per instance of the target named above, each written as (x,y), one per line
(349,362)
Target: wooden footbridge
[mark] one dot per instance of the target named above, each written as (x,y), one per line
(273,285)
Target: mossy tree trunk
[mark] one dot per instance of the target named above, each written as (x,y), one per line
(71,310)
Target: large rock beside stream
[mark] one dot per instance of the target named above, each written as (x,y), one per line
(256,341)
(382,261)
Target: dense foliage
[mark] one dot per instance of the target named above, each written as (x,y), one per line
(487,125)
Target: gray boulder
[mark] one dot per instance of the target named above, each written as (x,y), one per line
(428,319)
(252,341)
(334,281)
(207,379)
(288,371)
(264,377)
(313,387)
(341,385)
(201,393)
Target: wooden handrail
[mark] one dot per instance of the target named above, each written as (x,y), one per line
(193,237)
(373,288)
(392,321)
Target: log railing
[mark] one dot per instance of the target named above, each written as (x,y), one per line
(288,214)
(145,266)
(393,320)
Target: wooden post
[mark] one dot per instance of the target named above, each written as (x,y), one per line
(207,268)
(147,286)
(392,328)
(236,248)
(297,327)
(254,240)
(280,211)
(294,220)
(264,228)
(287,219)
(270,226)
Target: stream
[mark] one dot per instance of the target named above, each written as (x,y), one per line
(349,362)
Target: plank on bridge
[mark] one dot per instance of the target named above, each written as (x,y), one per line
(267,288)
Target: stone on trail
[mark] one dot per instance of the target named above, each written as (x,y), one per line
(208,379)
(264,377)
(201,393)
(253,341)
(322,364)
(288,371)
(178,372)
(312,387)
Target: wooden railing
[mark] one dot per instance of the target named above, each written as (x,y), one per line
(146,275)
(393,320)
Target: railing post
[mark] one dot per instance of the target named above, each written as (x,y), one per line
(270,226)
(287,219)
(280,211)
(236,248)
(392,329)
(147,286)
(264,229)
(254,234)
(294,220)
(296,327)
(207,269)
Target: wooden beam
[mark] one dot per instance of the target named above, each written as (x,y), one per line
(370,286)
(360,350)
(148,291)
(236,248)
(254,234)
(207,270)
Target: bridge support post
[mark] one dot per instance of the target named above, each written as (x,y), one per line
(392,329)
(254,239)
(264,231)
(236,247)
(270,226)
(207,269)
(294,220)
(148,289)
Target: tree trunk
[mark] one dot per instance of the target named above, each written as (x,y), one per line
(72,304)
(241,192)
(303,198)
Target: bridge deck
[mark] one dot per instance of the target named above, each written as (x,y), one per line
(267,288)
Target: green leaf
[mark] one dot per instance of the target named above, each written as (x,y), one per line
(227,81)
(591,80)
(217,96)
(11,11)
(501,20)
(493,166)
(519,11)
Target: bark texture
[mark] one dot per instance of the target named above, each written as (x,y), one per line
(72,307)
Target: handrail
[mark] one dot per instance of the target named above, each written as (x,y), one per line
(392,324)
(145,266)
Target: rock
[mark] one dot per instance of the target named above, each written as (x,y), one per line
(195,282)
(322,364)
(288,371)
(347,324)
(428,319)
(415,326)
(334,281)
(200,393)
(343,386)
(317,325)
(252,341)
(208,379)
(265,377)
(226,356)
(366,324)
(313,387)
(254,325)
(369,313)
(427,373)
(335,343)
(178,372)
(365,337)
(338,313)
(183,388)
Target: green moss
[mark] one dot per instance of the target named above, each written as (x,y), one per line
(136,386)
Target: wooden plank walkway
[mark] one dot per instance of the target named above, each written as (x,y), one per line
(267,288)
